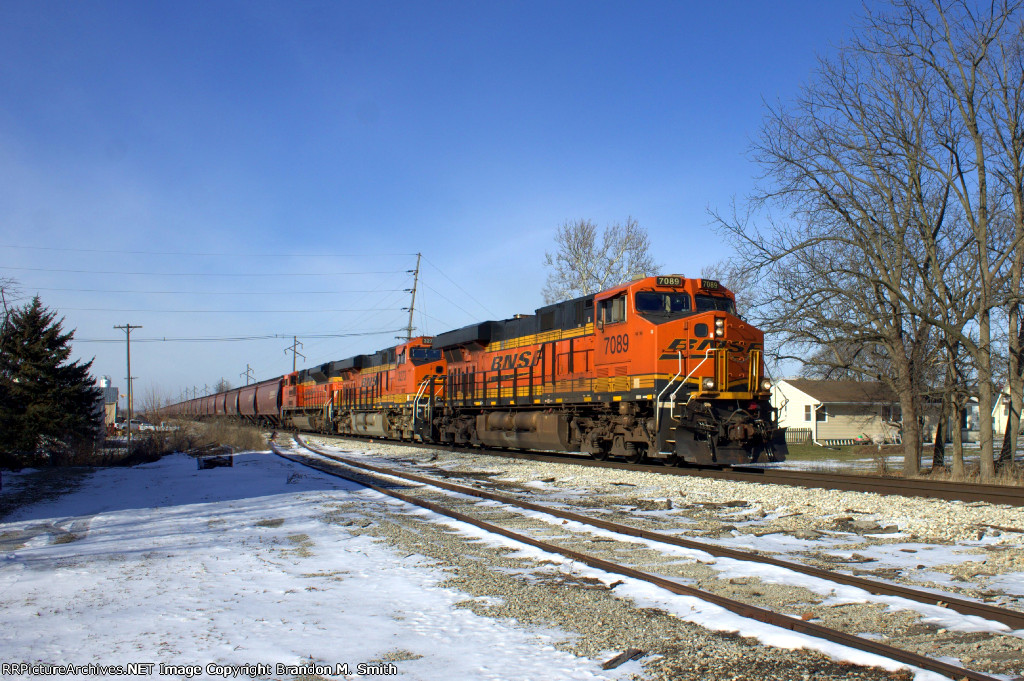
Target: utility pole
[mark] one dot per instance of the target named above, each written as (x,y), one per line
(128,342)
(412,305)
(247,373)
(294,348)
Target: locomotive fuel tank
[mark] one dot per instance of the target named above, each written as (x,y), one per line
(371,424)
(524,430)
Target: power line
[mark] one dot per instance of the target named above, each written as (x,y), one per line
(145,309)
(468,294)
(471,315)
(327,321)
(203,274)
(219,293)
(219,255)
(440,321)
(228,339)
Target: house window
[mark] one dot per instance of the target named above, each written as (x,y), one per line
(891,412)
(821,414)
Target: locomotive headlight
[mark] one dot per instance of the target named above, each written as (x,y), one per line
(719,323)
(766,385)
(708,383)
(719,331)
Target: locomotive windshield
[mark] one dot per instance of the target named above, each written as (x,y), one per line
(707,303)
(661,307)
(423,355)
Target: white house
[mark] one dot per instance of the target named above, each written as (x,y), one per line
(836,412)
(1001,413)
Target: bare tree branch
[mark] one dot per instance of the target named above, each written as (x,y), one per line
(581,265)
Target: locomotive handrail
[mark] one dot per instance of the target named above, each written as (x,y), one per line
(672,397)
(416,400)
(420,394)
(667,385)
(657,401)
(707,356)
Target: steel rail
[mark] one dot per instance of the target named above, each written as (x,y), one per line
(1011,618)
(907,487)
(742,609)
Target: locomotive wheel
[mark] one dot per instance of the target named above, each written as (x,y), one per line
(635,454)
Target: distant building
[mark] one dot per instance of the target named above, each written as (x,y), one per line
(838,412)
(1001,413)
(109,398)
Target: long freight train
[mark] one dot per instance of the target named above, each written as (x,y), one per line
(659,368)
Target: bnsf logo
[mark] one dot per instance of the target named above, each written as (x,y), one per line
(699,346)
(516,359)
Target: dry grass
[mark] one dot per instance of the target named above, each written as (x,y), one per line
(837,459)
(239,436)
(189,435)
(186,436)
(1008,475)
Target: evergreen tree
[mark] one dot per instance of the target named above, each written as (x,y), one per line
(46,403)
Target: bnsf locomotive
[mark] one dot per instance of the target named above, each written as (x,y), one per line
(659,368)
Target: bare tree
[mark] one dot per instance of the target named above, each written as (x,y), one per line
(736,277)
(585,263)
(969,55)
(844,163)
(9,294)
(901,171)
(222,386)
(153,400)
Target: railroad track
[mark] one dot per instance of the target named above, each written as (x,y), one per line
(1013,619)
(966,492)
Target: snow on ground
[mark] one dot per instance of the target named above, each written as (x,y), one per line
(164,563)
(692,609)
(770,574)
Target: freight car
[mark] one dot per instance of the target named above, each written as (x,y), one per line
(659,368)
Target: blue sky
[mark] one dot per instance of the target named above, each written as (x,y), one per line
(169,152)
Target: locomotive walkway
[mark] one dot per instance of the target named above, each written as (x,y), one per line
(366,473)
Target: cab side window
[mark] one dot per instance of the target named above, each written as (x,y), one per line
(613,310)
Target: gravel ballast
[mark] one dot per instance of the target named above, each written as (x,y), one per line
(712,510)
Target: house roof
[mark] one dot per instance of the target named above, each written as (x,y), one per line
(845,392)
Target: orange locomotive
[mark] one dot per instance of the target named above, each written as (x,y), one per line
(661,368)
(374,395)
